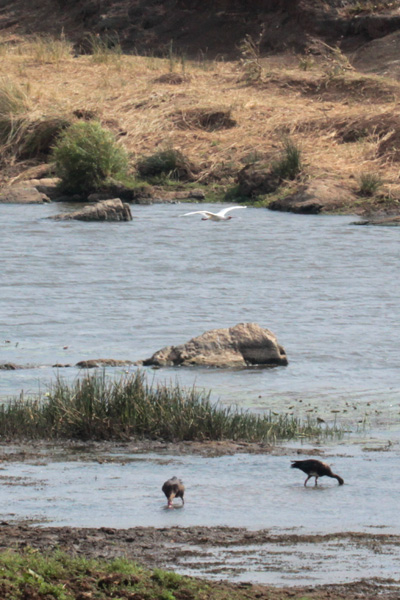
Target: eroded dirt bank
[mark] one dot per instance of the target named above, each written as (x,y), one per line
(165,547)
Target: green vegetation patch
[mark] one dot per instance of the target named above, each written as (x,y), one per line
(31,575)
(289,165)
(87,155)
(96,407)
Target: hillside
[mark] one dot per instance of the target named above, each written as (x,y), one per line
(287,79)
(200,26)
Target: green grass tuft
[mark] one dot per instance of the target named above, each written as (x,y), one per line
(289,165)
(369,184)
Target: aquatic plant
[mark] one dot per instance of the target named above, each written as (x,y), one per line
(97,407)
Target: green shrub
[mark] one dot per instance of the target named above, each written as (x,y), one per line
(169,164)
(369,184)
(86,156)
(289,165)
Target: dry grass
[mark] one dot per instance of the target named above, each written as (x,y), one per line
(131,96)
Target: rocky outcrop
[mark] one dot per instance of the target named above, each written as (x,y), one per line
(23,193)
(107,210)
(244,345)
(314,197)
(380,56)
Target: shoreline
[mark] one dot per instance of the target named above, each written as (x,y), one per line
(167,547)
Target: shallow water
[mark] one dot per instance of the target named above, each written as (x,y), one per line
(244,490)
(337,561)
(327,288)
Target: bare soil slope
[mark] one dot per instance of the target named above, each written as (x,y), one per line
(199,26)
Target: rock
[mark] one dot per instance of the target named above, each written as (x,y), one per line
(23,194)
(380,56)
(102,362)
(107,210)
(243,345)
(255,179)
(9,367)
(138,195)
(315,197)
(393,221)
(49,186)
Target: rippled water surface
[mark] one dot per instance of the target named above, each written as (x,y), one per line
(253,491)
(327,288)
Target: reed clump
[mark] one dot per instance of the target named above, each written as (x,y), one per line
(96,407)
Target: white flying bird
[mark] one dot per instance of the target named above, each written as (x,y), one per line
(219,216)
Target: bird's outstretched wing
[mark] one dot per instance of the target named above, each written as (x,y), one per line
(223,212)
(197,212)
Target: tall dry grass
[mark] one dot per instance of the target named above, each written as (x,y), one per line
(130,95)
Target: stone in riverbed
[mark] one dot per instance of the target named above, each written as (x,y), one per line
(107,210)
(244,345)
(388,221)
(102,362)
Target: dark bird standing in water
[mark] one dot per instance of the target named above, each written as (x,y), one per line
(315,468)
(173,488)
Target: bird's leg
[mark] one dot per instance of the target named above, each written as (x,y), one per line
(305,483)
(316,481)
(183,502)
(170,498)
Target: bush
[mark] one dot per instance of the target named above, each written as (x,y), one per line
(369,184)
(86,156)
(169,163)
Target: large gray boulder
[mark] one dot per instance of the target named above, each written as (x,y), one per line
(244,345)
(107,210)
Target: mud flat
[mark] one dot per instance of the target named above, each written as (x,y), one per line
(291,565)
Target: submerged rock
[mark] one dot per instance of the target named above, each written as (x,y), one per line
(102,362)
(245,344)
(107,210)
(388,221)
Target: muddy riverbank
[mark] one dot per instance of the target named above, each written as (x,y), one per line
(170,548)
